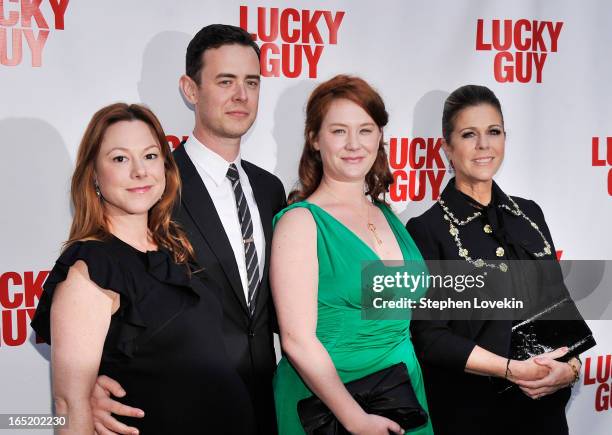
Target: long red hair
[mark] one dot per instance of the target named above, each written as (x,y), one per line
(89,221)
(379,178)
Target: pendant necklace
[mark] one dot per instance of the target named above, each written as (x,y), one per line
(371,227)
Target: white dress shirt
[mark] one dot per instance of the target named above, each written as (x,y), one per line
(213,170)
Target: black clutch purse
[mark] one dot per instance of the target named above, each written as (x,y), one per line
(387,392)
(557,326)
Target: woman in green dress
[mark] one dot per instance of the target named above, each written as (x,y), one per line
(337,219)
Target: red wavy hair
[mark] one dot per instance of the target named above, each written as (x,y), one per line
(379,178)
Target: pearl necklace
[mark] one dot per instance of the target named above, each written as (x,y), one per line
(479,262)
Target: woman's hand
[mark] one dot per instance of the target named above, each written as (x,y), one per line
(560,375)
(373,424)
(528,370)
(532,370)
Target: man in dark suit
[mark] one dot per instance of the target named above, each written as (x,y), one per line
(227,206)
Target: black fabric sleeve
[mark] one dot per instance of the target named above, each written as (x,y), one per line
(434,340)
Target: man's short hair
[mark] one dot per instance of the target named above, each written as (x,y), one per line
(213,36)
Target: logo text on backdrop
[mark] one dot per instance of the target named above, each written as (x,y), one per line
(292,40)
(522,46)
(175,141)
(605,159)
(417,166)
(598,371)
(19,295)
(17,30)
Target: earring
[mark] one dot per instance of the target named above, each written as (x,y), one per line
(97,189)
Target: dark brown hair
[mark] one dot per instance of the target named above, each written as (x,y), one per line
(379,178)
(466,96)
(214,36)
(89,221)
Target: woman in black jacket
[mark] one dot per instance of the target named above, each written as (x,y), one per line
(475,221)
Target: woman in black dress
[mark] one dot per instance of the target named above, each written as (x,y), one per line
(476,222)
(123,299)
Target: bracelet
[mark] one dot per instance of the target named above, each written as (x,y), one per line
(576,374)
(508,371)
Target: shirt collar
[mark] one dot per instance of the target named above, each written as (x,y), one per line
(460,204)
(209,161)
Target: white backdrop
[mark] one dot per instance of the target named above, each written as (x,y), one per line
(61,62)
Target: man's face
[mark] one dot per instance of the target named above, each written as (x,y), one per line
(227,98)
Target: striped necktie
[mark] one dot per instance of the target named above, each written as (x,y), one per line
(246,226)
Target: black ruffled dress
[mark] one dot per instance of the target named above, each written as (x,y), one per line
(164,344)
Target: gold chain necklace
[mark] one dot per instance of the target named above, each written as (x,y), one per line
(454,223)
(370,225)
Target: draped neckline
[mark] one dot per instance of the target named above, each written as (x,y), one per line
(359,239)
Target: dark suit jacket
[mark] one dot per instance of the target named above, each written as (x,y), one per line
(462,403)
(249,341)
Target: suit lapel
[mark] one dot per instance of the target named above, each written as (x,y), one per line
(199,205)
(262,197)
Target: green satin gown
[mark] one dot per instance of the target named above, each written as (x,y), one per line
(357,347)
